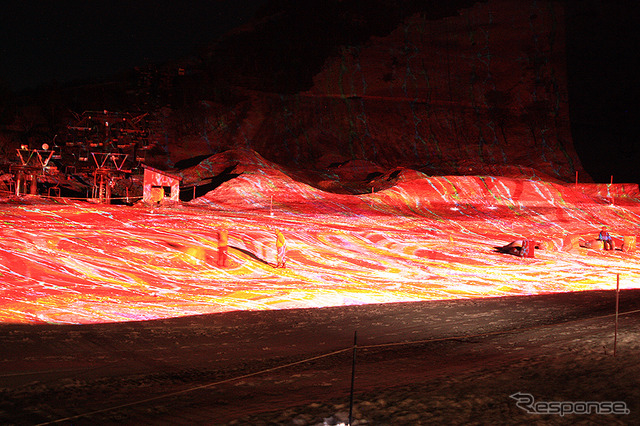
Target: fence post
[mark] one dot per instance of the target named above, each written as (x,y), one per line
(353,373)
(615,336)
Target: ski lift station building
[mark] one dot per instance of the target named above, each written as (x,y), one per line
(160,186)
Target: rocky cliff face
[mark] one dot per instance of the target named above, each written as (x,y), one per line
(350,90)
(473,89)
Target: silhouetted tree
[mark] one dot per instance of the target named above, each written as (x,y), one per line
(536,116)
(499,109)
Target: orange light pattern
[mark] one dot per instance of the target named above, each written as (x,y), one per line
(424,239)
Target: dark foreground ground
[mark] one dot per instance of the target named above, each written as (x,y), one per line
(442,362)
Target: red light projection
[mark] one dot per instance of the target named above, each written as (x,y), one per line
(423,239)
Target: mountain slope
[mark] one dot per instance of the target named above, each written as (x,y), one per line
(463,91)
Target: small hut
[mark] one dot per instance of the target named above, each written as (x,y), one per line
(160,186)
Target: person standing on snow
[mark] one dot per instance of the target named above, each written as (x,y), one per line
(223,246)
(281,250)
(606,239)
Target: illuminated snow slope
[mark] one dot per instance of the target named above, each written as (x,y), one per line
(425,238)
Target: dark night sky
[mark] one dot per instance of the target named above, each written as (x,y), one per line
(63,40)
(603,50)
(66,40)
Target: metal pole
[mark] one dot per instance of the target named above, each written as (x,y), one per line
(353,374)
(615,336)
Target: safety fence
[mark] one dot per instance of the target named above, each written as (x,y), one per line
(54,194)
(340,351)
